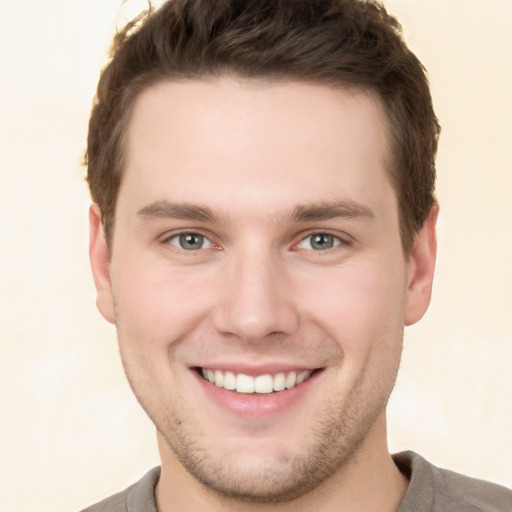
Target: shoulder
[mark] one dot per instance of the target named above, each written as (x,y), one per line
(115,503)
(435,489)
(139,497)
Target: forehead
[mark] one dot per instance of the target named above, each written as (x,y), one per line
(228,142)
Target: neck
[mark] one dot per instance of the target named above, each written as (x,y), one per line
(368,482)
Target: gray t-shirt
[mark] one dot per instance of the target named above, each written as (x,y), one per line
(431,489)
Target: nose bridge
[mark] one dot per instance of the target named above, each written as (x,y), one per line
(256,299)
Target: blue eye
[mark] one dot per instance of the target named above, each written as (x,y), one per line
(190,241)
(319,242)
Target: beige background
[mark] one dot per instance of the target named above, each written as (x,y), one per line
(70,430)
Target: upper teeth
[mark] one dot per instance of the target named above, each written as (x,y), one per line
(261,384)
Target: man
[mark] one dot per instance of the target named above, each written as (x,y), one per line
(263,228)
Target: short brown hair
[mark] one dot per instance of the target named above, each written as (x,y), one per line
(333,42)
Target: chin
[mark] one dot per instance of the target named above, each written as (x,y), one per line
(265,470)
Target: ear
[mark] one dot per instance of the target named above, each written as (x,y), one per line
(421,269)
(99,256)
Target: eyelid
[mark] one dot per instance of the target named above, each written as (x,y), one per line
(342,239)
(166,239)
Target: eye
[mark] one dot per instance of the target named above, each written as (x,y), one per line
(190,241)
(319,242)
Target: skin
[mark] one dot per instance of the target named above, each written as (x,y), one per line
(258,295)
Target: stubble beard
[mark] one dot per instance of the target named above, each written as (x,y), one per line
(338,438)
(342,427)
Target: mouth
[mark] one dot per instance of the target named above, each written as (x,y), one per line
(261,384)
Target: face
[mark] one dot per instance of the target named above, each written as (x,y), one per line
(257,279)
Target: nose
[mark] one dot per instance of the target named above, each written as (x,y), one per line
(256,298)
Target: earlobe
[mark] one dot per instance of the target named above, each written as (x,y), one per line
(421,269)
(99,256)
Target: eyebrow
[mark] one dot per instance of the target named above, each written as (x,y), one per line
(302,213)
(184,211)
(334,210)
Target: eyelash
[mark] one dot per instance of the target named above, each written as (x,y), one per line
(336,241)
(180,237)
(177,240)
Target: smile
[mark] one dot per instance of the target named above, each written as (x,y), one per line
(267,383)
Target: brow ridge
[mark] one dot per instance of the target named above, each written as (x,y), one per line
(326,211)
(303,213)
(185,211)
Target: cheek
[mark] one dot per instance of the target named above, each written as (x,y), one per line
(363,310)
(157,303)
(361,305)
(155,310)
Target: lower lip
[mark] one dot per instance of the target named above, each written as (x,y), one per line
(255,404)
